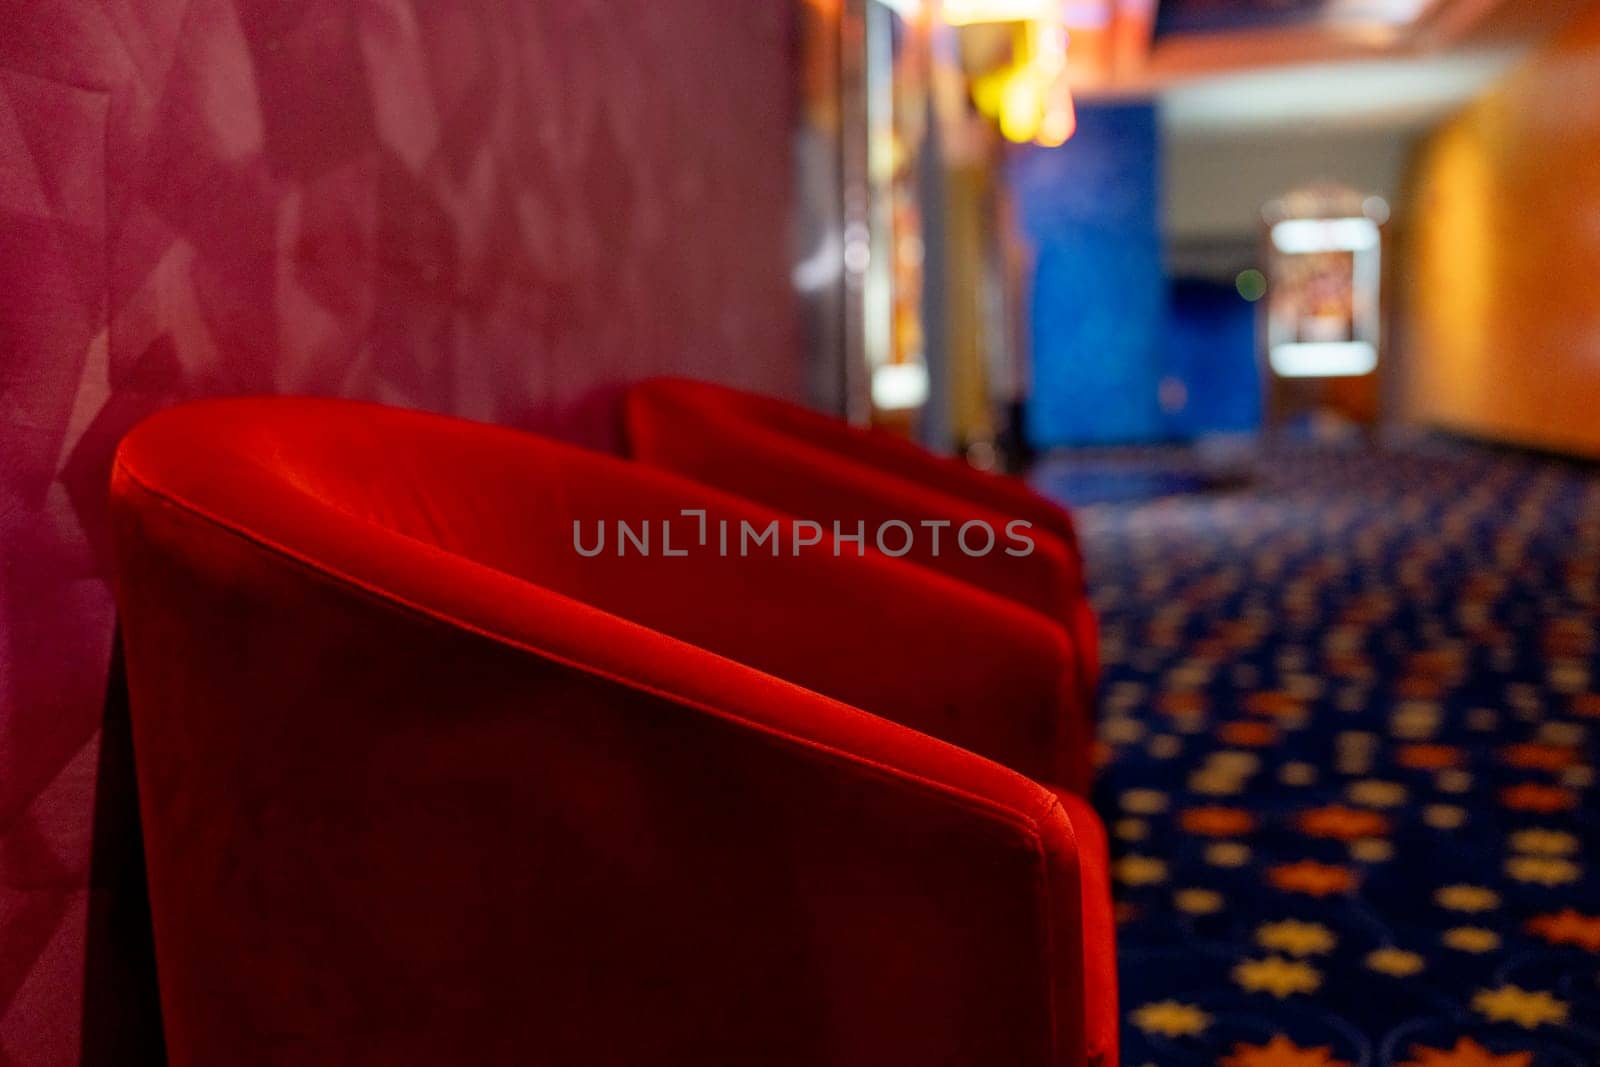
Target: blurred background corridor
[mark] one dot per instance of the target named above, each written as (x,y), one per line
(1292,302)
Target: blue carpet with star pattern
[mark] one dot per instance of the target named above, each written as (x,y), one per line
(1350,720)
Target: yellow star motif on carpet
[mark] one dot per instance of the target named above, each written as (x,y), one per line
(1227,854)
(1171,1018)
(1121,731)
(1165,746)
(1198,901)
(1234,762)
(1295,938)
(1467,898)
(1556,732)
(1444,816)
(1353,763)
(1375,794)
(1471,939)
(1394,962)
(1415,722)
(1297,774)
(1525,1007)
(1544,870)
(1280,1052)
(1277,976)
(1144,801)
(1215,783)
(1466,1053)
(1371,850)
(1141,870)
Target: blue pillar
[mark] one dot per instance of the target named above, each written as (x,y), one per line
(1092,209)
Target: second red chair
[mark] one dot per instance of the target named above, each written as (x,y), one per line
(813,466)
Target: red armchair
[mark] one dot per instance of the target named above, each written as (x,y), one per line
(423,783)
(808,464)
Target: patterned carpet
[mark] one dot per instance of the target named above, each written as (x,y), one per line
(1350,724)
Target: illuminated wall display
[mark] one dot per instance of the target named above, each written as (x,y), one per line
(1323,319)
(1322,307)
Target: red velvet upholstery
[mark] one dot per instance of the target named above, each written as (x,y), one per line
(804,463)
(420,784)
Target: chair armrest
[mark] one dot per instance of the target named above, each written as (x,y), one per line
(400,807)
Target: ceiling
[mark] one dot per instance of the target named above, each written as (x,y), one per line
(1230,66)
(1239,16)
(1391,91)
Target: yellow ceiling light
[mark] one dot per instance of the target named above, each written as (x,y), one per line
(1027,95)
(1021,107)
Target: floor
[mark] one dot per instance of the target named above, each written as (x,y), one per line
(1350,726)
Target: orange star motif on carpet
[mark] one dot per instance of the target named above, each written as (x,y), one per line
(1434,663)
(1531,796)
(1531,755)
(1568,927)
(1343,823)
(1216,821)
(1586,705)
(1280,1052)
(1466,1053)
(1182,703)
(1312,878)
(1419,688)
(1429,757)
(1274,704)
(1248,734)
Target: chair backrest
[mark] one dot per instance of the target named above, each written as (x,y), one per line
(873,447)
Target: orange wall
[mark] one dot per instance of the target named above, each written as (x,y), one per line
(1500,313)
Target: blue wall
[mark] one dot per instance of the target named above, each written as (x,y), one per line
(1092,210)
(1211,349)
(1108,325)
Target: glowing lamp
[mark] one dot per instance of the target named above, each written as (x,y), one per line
(1060,122)
(972,12)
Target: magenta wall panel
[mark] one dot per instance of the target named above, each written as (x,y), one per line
(495,208)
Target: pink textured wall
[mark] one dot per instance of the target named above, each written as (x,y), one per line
(489,207)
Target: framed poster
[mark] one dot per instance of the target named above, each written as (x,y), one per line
(1322,301)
